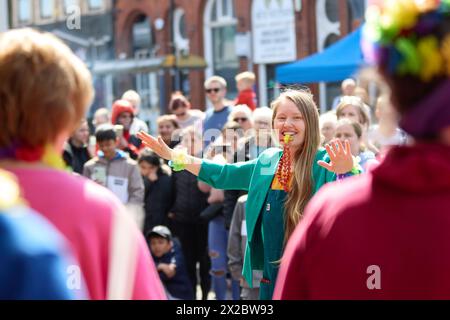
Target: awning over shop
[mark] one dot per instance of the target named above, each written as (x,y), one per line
(127,66)
(337,62)
(148,65)
(184,62)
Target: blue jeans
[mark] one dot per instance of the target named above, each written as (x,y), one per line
(217,243)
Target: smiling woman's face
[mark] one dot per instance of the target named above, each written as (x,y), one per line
(289,120)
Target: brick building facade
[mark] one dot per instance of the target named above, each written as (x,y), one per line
(316,21)
(157,46)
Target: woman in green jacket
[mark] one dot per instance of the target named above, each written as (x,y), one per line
(279,182)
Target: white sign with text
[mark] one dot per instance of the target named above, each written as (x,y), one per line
(273,27)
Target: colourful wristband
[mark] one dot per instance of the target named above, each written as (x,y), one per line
(179,160)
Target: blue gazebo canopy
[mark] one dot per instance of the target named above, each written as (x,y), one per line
(337,62)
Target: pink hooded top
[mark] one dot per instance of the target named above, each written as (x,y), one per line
(380,235)
(83,211)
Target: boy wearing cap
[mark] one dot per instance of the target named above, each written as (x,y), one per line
(169,260)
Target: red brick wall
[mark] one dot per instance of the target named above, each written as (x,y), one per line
(128,10)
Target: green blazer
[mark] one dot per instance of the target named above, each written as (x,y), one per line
(256,177)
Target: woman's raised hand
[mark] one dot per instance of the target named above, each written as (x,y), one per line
(341,158)
(156,144)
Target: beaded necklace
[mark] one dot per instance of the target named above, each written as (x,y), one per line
(284,166)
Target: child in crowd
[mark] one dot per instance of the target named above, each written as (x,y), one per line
(353,108)
(347,129)
(158,189)
(170,263)
(113,169)
(245,82)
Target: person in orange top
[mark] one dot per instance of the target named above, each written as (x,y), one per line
(244,83)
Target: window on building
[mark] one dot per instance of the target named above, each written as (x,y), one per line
(142,35)
(146,83)
(221,29)
(69,4)
(46,8)
(356,10)
(95,4)
(24,10)
(181,24)
(332,10)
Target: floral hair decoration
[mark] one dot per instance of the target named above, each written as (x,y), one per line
(402,37)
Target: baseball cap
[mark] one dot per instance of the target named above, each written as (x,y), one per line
(160,231)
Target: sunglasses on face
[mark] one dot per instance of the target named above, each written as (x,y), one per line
(215,90)
(240,119)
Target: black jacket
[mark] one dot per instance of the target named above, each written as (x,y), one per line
(158,199)
(189,200)
(75,157)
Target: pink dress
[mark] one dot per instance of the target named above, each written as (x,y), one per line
(83,211)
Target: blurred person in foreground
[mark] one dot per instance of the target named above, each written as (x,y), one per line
(44,93)
(33,255)
(384,234)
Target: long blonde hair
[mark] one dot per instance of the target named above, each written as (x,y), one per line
(302,181)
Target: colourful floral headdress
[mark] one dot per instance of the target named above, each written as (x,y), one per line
(402,38)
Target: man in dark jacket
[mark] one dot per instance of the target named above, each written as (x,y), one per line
(184,216)
(192,232)
(76,153)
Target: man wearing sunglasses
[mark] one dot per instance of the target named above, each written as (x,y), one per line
(215,90)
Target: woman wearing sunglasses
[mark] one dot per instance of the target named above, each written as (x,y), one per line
(242,115)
